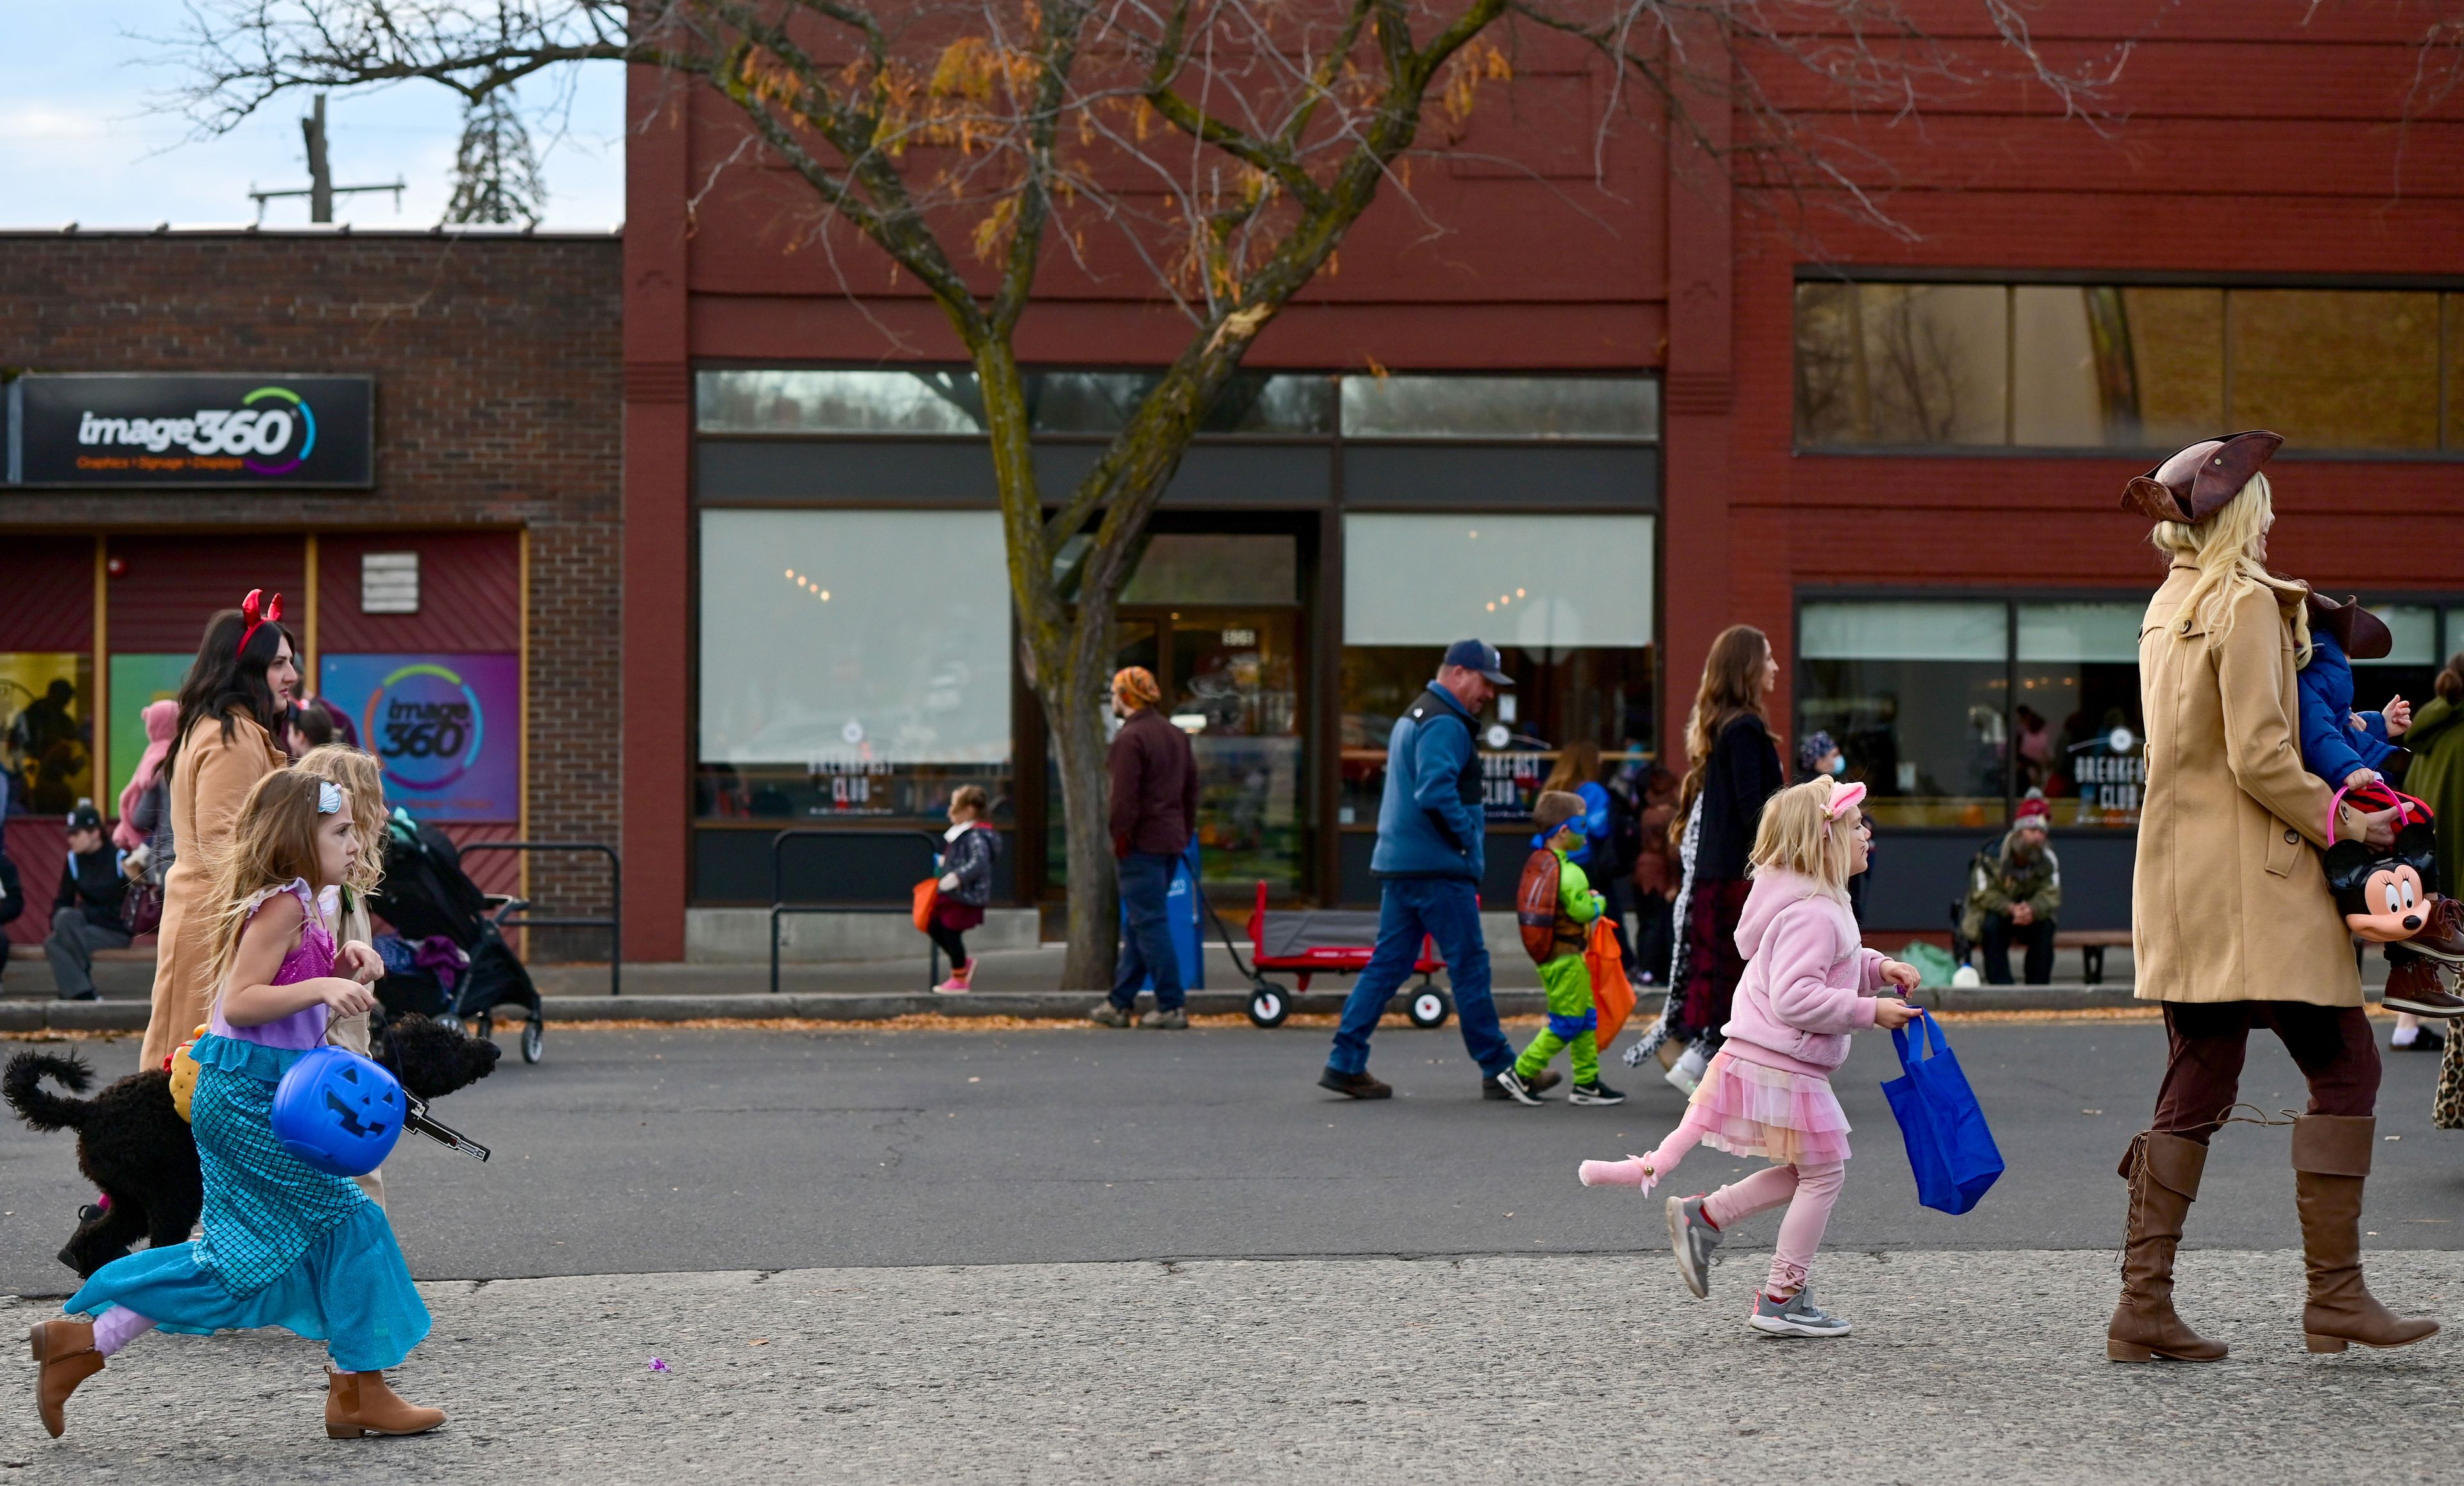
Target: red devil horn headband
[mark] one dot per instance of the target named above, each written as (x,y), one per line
(249,611)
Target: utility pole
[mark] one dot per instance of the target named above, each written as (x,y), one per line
(321,190)
(321,173)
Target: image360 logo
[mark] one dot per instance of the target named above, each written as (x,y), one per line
(427,724)
(272,432)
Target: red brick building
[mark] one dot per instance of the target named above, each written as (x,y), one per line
(494,500)
(1896,453)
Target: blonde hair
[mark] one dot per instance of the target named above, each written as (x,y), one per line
(1732,688)
(2229,549)
(272,843)
(363,779)
(1579,764)
(1798,835)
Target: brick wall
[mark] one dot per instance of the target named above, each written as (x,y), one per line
(499,405)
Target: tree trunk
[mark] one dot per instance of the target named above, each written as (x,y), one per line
(1075,706)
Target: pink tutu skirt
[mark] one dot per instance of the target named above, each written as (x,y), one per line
(1747,1109)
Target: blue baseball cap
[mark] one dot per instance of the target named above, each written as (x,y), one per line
(1480,656)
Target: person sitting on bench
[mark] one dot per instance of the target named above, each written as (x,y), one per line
(2013,890)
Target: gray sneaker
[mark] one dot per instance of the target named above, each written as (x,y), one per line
(1693,1238)
(1106,1015)
(1173,1020)
(1797,1316)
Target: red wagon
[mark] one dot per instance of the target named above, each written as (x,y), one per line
(1311,941)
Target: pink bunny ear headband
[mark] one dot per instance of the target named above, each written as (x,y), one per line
(1844,798)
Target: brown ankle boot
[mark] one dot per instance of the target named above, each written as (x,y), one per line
(359,1402)
(65,1348)
(2164,1171)
(2331,1158)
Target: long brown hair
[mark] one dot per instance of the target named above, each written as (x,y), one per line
(1732,687)
(228,677)
(1579,764)
(271,842)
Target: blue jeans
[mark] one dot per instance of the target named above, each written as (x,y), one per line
(1146,877)
(1446,910)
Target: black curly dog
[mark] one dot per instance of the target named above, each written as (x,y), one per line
(134,1147)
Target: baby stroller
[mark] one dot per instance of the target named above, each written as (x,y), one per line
(425,896)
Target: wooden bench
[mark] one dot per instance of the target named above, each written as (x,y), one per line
(2092,943)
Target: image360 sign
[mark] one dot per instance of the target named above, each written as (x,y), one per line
(142,431)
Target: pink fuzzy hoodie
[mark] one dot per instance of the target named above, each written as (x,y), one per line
(1809,980)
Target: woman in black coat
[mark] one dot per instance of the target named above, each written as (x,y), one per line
(1731,767)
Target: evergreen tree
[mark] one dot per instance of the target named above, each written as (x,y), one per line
(496,174)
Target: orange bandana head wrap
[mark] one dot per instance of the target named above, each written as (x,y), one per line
(1136,686)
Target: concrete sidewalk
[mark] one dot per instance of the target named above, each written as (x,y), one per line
(1964,1368)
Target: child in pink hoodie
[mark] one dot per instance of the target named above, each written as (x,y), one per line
(1809,983)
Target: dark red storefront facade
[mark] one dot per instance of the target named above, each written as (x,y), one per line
(1894,551)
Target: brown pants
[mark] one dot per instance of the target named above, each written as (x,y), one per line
(2332,1046)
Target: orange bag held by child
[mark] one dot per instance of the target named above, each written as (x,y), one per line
(927,893)
(1535,905)
(1612,994)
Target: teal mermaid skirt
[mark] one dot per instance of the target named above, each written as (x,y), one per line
(285,1245)
(350,1291)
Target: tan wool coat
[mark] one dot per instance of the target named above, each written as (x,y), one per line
(211,777)
(2229,902)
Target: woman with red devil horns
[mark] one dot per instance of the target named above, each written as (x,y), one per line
(245,674)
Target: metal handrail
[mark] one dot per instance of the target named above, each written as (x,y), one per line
(780,907)
(614,923)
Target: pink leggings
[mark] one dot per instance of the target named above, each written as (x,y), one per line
(116,1328)
(1807,1190)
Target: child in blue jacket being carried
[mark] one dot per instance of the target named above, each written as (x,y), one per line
(2346,748)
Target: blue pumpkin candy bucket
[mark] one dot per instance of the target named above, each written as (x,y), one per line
(338,1112)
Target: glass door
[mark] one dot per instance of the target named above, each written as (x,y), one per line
(1236,687)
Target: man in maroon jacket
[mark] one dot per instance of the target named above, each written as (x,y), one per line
(1154,807)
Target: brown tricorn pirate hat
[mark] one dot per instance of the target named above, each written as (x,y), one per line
(2192,484)
(2363,635)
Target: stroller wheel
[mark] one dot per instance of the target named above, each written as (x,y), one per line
(483,1027)
(451,1022)
(533,1036)
(1430,1008)
(1269,1004)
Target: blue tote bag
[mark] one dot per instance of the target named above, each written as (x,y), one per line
(1949,1149)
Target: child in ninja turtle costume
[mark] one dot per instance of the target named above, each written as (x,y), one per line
(1555,908)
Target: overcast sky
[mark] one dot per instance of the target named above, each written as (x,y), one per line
(81,139)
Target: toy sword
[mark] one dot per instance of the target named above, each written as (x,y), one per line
(418,1121)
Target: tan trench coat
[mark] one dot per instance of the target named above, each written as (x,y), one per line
(211,779)
(2229,902)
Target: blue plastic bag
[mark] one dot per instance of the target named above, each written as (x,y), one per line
(1949,1149)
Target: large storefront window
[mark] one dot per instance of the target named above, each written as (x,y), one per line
(948,401)
(854,662)
(2124,366)
(46,730)
(2075,720)
(1916,693)
(1567,600)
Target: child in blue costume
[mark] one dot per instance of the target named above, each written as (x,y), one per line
(2346,748)
(285,1245)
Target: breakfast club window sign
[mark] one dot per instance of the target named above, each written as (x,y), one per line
(142,431)
(447,728)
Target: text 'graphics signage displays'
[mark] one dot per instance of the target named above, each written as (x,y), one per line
(140,431)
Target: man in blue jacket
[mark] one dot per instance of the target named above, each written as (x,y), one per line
(1431,831)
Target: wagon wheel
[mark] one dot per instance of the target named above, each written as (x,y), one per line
(1269,1003)
(1430,1007)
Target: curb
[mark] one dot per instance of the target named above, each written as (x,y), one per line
(1026,1005)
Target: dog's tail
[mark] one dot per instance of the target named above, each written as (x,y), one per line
(22,1085)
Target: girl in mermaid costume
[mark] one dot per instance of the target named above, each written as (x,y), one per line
(284,1245)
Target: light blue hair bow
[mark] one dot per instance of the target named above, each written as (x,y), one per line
(329,797)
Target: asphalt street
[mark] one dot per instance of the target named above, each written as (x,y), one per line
(692,1150)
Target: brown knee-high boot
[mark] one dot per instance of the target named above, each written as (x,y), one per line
(2164,1171)
(2331,1158)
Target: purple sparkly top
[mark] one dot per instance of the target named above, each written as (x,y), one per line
(311,959)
